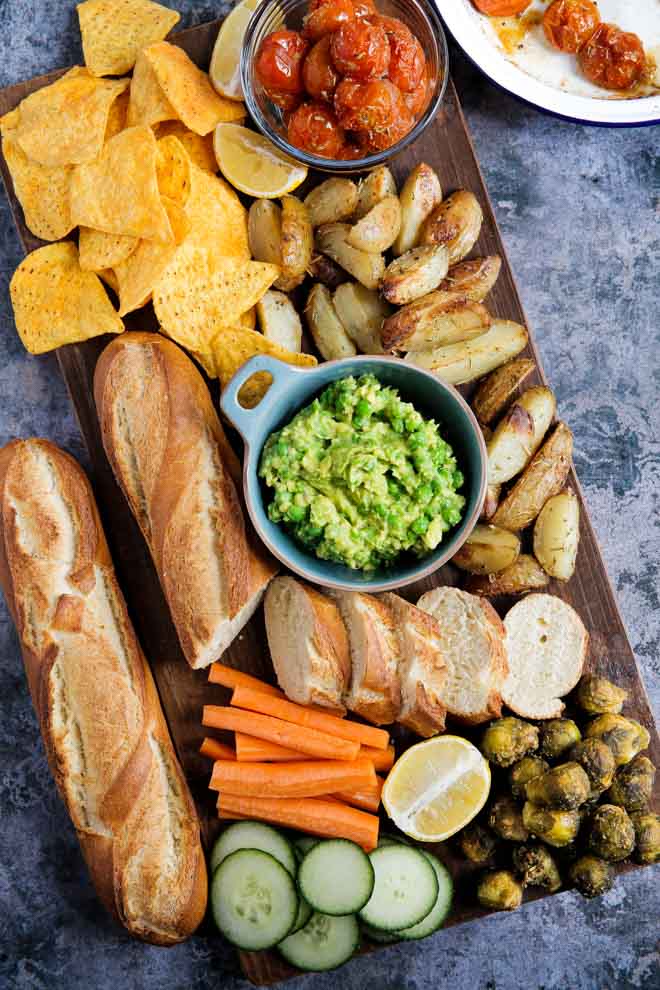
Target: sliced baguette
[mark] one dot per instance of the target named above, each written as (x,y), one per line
(422,669)
(308,644)
(547,646)
(472,644)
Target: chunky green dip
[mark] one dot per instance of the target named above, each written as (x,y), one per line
(359,476)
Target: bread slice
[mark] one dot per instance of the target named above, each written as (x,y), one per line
(422,668)
(375,690)
(472,644)
(308,644)
(547,646)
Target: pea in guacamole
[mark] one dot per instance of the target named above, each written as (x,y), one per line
(359,476)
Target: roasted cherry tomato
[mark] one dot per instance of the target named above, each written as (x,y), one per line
(501,8)
(326,16)
(407,60)
(418,99)
(279,67)
(313,127)
(370,106)
(373,141)
(364,8)
(612,58)
(350,152)
(319,74)
(568,24)
(361,50)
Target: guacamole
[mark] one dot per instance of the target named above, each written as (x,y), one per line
(359,476)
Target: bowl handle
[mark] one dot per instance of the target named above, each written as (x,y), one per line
(248,421)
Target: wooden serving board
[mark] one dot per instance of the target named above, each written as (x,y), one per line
(448,148)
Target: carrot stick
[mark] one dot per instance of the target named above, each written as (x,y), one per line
(219,673)
(216,750)
(251,750)
(308,741)
(382,759)
(310,778)
(256,701)
(367,798)
(314,815)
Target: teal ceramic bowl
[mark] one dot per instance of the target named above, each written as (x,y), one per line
(291,390)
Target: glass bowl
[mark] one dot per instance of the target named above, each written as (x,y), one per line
(272,15)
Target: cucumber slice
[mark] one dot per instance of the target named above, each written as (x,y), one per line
(405,888)
(304,914)
(391,840)
(324,943)
(376,935)
(253,899)
(336,877)
(253,835)
(440,909)
(303,844)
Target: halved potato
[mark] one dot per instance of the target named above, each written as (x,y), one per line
(544,477)
(325,326)
(420,194)
(470,359)
(374,187)
(456,222)
(279,320)
(415,274)
(377,229)
(525,574)
(331,201)
(557,534)
(494,392)
(361,312)
(474,278)
(436,319)
(324,269)
(519,433)
(487,550)
(265,231)
(297,243)
(489,507)
(367,268)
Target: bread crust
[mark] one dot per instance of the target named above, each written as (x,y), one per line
(95,700)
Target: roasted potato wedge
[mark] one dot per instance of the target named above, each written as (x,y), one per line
(361,312)
(434,320)
(279,320)
(324,269)
(325,326)
(374,187)
(415,274)
(377,229)
(265,231)
(474,278)
(494,392)
(332,201)
(367,268)
(456,222)
(420,195)
(297,245)
(543,477)
(557,534)
(490,502)
(470,359)
(519,433)
(487,550)
(525,574)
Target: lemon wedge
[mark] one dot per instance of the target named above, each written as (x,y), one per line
(225,68)
(436,788)
(253,164)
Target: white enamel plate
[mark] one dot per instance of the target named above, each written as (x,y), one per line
(514,54)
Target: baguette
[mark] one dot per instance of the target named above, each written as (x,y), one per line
(171,457)
(103,729)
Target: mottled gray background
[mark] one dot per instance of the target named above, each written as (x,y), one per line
(579,209)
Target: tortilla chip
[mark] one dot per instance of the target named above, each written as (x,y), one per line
(173,170)
(247,320)
(110,279)
(189,90)
(147,104)
(233,346)
(64,123)
(99,250)
(200,149)
(118,116)
(137,275)
(205,358)
(114,31)
(55,302)
(119,192)
(42,191)
(218,219)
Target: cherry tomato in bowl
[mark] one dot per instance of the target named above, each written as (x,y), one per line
(407,60)
(325,16)
(568,24)
(279,66)
(612,58)
(368,106)
(320,77)
(361,50)
(314,128)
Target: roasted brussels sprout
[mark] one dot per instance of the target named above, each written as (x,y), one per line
(536,867)
(597,761)
(633,785)
(500,891)
(591,876)
(524,770)
(612,835)
(558,735)
(557,828)
(597,695)
(647,835)
(477,844)
(566,787)
(507,740)
(625,737)
(505,819)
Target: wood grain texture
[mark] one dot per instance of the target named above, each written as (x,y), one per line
(448,148)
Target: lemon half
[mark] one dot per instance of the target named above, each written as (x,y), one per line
(225,68)
(253,164)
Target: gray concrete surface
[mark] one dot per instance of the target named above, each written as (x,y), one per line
(580,212)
